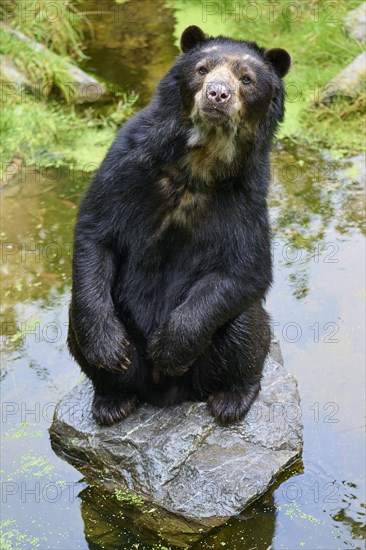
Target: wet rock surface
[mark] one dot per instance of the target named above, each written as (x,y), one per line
(179,459)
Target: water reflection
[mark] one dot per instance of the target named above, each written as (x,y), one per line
(112,525)
(109,527)
(309,198)
(131,46)
(39,214)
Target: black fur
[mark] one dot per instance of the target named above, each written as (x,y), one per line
(167,296)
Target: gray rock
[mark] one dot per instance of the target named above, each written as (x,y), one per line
(275,351)
(10,72)
(355,23)
(81,87)
(196,472)
(348,82)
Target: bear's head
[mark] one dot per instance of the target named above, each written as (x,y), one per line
(231,83)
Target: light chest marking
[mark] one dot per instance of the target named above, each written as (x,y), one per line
(181,206)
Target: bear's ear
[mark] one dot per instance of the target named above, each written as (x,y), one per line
(192,36)
(280,60)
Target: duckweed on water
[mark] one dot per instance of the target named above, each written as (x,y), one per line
(294,512)
(126,496)
(19,433)
(35,466)
(11,537)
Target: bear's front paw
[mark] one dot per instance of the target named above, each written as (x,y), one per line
(105,357)
(110,350)
(167,355)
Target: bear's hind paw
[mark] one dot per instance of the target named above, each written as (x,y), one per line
(228,407)
(109,409)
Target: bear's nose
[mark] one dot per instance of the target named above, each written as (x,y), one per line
(218,92)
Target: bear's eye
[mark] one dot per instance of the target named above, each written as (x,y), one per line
(246,80)
(202,70)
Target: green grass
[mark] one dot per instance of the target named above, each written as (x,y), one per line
(54,134)
(44,68)
(51,132)
(340,126)
(56,25)
(44,127)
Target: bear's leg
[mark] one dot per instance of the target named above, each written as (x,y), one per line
(228,375)
(114,392)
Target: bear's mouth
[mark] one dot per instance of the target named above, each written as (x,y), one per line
(214,112)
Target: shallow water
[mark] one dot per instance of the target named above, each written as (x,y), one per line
(316,303)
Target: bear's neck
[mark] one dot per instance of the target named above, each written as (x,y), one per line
(205,157)
(217,152)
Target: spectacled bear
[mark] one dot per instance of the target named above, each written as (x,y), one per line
(172,255)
